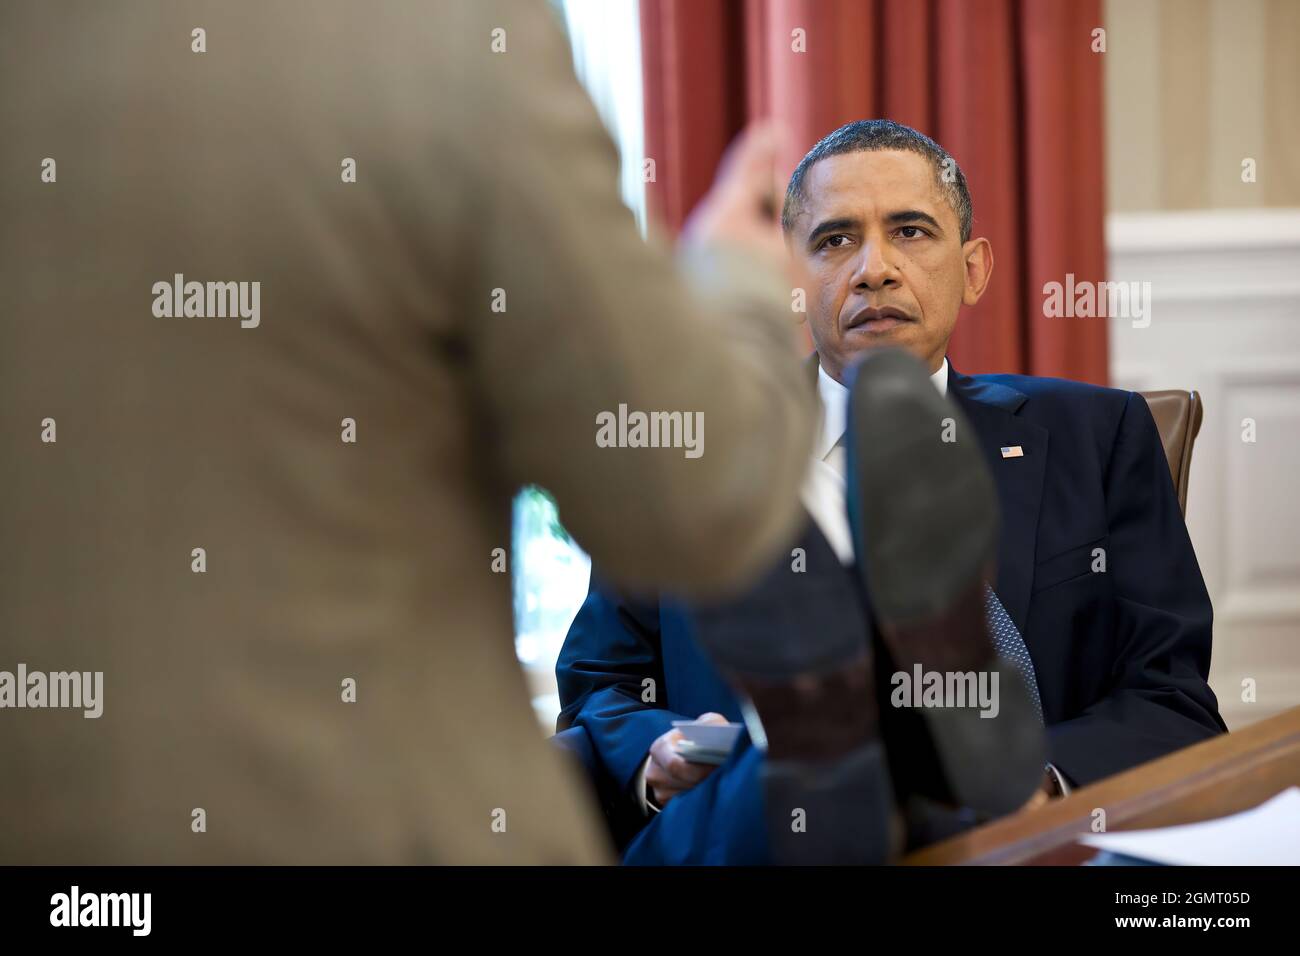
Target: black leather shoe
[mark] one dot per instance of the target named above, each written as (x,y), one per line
(924,516)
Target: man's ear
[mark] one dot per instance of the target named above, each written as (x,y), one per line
(978,254)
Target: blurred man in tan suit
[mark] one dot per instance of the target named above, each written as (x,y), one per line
(295,296)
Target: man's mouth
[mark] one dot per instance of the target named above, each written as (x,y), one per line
(875,320)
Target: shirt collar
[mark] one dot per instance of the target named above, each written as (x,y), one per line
(834,399)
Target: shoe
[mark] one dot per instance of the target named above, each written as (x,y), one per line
(797,650)
(924,517)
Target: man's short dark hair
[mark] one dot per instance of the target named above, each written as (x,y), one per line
(868,135)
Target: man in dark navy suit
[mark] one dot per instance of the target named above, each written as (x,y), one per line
(1095,579)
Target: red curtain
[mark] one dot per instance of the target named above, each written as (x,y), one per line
(1012,88)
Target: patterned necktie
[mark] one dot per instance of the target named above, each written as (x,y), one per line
(1010,645)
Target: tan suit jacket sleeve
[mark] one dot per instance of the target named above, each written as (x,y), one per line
(597,318)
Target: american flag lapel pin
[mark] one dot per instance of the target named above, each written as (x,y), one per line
(1012,451)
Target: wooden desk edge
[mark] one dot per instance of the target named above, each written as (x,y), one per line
(1126,795)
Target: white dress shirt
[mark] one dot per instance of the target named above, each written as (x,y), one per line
(823,487)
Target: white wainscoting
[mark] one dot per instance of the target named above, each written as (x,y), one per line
(1225,321)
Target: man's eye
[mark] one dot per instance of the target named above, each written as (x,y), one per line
(834,242)
(916,232)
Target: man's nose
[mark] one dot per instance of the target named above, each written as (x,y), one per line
(875,268)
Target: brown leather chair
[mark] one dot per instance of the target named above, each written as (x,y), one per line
(1178,419)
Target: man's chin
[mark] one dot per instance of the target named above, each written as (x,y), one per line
(903,336)
(853,344)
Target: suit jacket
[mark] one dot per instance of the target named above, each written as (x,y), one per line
(1121,649)
(470,302)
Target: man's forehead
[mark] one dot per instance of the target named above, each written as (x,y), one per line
(884,179)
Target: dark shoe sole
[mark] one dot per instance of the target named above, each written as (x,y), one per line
(923,510)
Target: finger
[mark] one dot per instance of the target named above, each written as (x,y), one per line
(750,151)
(685,772)
(661,782)
(664,794)
(750,164)
(662,751)
(656,776)
(712,718)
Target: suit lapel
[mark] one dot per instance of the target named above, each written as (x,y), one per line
(991,409)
